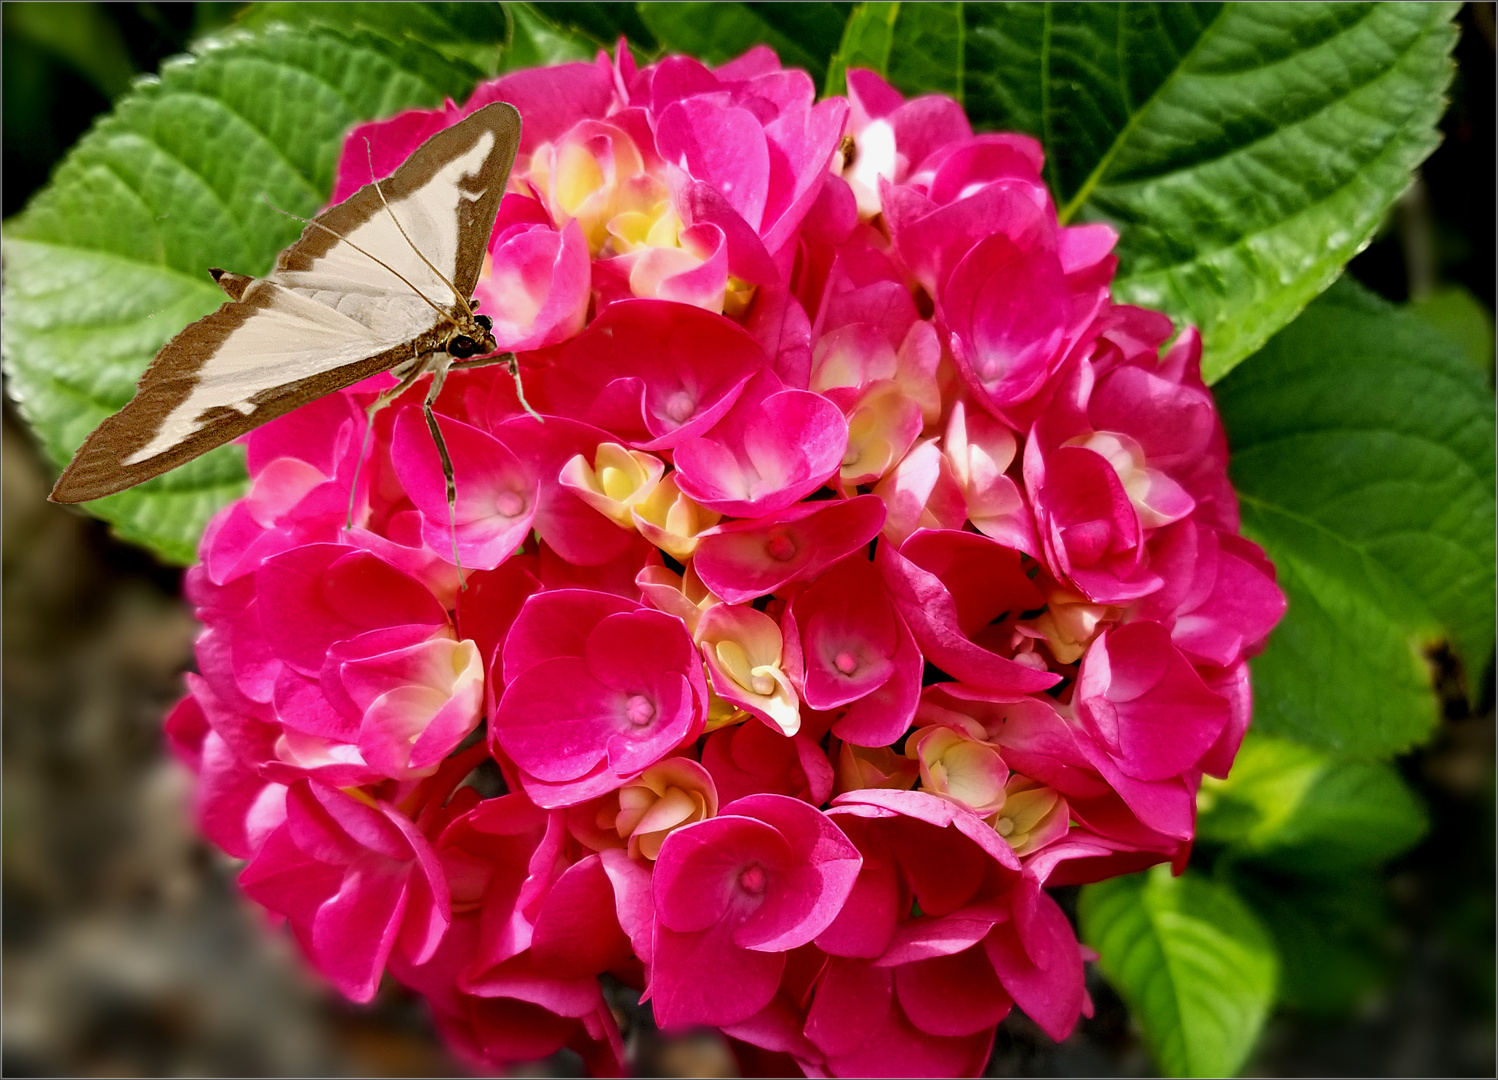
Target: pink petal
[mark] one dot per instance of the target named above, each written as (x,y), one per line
(1143,700)
(952,995)
(551,99)
(577,933)
(774,447)
(641,371)
(852,1000)
(496,499)
(537,289)
(556,623)
(702,977)
(1054,995)
(742,560)
(324,593)
(949,586)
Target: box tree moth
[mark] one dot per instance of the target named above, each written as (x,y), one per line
(381,282)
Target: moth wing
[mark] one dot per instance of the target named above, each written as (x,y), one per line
(327,317)
(226,374)
(445,197)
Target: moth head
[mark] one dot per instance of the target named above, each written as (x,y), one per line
(471,338)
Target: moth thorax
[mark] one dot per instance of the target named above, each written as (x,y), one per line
(471,338)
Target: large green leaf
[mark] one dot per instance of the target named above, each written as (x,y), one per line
(602,24)
(1192,961)
(1454,311)
(1332,935)
(803,35)
(110,259)
(1245,151)
(928,59)
(1362,452)
(470,33)
(1296,808)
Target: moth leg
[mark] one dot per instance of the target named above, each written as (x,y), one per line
(407,373)
(509,360)
(439,376)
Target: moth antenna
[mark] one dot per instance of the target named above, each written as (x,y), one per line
(385,398)
(361,251)
(439,376)
(381,192)
(514,366)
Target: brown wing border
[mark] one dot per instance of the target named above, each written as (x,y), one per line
(98,468)
(475,219)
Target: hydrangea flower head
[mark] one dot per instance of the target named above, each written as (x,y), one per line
(868,571)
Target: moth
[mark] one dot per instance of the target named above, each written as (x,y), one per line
(381,282)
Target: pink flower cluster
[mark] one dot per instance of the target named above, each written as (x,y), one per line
(870,572)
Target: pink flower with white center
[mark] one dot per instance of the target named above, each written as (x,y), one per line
(773,448)
(536,290)
(404,705)
(615,483)
(1089,530)
(960,766)
(856,653)
(892,136)
(743,560)
(1032,815)
(732,895)
(747,154)
(980,450)
(670,520)
(596,690)
(683,595)
(654,374)
(1038,742)
(355,879)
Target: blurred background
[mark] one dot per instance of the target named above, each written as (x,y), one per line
(127,949)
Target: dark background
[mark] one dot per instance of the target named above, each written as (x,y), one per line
(127,950)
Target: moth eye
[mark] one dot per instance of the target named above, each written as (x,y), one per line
(484,321)
(461,346)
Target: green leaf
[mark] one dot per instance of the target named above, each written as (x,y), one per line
(1362,453)
(1332,935)
(1245,151)
(929,57)
(537,42)
(803,35)
(868,37)
(1192,962)
(602,24)
(473,34)
(1456,313)
(110,259)
(1295,808)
